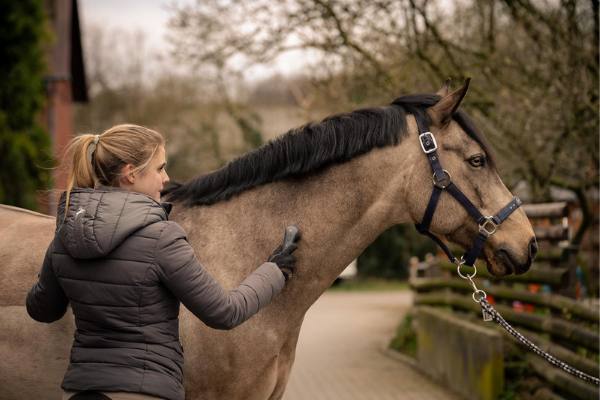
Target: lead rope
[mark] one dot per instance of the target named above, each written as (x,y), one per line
(490,314)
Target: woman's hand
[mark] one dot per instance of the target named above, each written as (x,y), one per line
(284,260)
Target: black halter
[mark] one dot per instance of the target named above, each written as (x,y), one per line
(429,146)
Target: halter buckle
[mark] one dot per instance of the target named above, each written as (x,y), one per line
(428,151)
(488,220)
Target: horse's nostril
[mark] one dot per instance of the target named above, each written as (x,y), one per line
(533,249)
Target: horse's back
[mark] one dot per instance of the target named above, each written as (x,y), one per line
(34,355)
(24,238)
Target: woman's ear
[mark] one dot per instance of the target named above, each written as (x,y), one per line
(128,175)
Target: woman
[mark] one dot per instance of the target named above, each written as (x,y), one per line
(124,267)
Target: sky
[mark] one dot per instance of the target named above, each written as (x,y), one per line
(151,18)
(148,16)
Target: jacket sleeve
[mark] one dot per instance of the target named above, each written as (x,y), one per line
(46,301)
(192,284)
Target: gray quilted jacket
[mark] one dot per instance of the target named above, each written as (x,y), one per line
(125,269)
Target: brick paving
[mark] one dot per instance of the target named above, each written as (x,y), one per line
(339,353)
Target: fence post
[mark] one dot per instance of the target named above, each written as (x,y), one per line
(567,288)
(569,261)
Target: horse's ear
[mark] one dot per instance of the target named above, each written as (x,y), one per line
(445,88)
(448,106)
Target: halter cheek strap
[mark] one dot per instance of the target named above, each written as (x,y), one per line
(429,146)
(487,225)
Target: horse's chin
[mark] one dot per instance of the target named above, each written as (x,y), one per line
(503,263)
(499,270)
(496,267)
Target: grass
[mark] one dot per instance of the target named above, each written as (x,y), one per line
(405,340)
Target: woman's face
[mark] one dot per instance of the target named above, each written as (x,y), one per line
(152,180)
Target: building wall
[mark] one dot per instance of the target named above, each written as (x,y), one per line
(58,113)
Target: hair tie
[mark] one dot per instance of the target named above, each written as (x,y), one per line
(96,138)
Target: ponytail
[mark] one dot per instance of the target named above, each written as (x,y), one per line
(100,159)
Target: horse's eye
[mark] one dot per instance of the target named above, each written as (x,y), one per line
(476,161)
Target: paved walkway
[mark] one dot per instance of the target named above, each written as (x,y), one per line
(339,357)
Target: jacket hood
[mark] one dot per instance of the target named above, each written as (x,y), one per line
(98,220)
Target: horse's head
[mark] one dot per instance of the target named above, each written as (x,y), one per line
(466,155)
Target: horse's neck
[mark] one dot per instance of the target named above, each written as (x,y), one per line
(340,211)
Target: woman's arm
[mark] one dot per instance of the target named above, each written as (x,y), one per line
(182,273)
(46,301)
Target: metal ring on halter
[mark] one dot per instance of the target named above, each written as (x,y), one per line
(449,178)
(462,262)
(479,291)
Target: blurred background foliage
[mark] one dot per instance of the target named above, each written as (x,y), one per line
(389,255)
(24,143)
(534,93)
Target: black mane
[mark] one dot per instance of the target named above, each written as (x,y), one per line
(314,146)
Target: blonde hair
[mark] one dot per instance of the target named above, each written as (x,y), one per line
(115,148)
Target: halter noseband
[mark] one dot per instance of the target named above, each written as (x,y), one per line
(487,225)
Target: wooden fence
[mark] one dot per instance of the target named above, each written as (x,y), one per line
(540,304)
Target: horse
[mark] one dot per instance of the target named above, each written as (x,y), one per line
(342,182)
